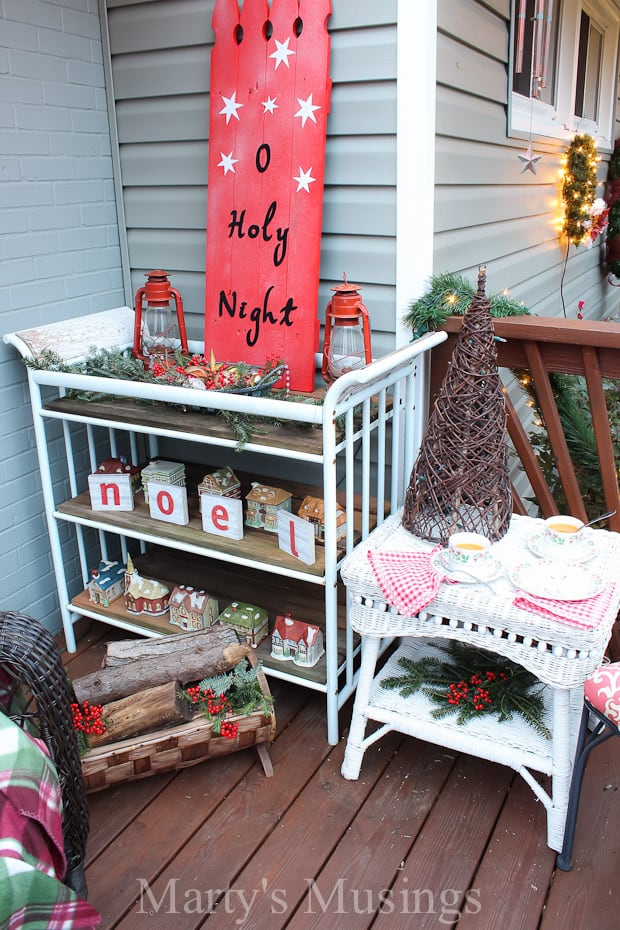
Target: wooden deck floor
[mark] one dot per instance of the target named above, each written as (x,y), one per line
(425,839)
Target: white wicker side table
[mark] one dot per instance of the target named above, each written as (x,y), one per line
(559,654)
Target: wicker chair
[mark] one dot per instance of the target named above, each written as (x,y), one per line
(600,720)
(36,693)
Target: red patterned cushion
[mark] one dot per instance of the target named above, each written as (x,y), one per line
(602,690)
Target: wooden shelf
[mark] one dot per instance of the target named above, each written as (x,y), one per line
(257,546)
(277,594)
(305,439)
(272,592)
(225,584)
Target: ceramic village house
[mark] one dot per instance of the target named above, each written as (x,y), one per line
(191,609)
(293,639)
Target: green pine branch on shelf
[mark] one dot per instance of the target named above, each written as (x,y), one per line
(472,683)
(122,366)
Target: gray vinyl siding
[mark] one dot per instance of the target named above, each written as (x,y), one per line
(160,59)
(486,210)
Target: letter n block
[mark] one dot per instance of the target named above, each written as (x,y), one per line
(110,492)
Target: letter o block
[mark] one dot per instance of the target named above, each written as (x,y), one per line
(168,502)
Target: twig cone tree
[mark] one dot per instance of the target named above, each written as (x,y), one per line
(460,480)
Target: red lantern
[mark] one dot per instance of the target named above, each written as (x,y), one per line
(160,336)
(347,332)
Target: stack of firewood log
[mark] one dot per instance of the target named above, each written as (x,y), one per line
(140,679)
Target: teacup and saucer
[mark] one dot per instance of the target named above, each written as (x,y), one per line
(562,538)
(468,559)
(466,550)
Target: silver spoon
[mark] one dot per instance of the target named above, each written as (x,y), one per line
(475,579)
(603,516)
(463,571)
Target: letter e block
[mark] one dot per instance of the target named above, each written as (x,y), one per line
(110,492)
(168,502)
(222,516)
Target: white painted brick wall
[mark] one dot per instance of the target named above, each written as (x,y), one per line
(59,246)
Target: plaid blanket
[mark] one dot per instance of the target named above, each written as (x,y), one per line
(32,859)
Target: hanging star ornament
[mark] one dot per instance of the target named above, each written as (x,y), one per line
(529,160)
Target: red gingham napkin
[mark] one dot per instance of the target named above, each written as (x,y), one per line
(406,579)
(585,614)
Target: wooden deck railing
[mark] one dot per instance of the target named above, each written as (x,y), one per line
(539,346)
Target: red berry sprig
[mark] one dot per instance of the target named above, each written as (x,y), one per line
(88,718)
(229,729)
(473,691)
(216,706)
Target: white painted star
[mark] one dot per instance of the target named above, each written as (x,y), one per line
(529,160)
(281,53)
(270,105)
(230,107)
(306,110)
(227,163)
(304,180)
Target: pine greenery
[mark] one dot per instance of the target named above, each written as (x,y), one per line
(242,688)
(114,364)
(450,295)
(471,683)
(613,200)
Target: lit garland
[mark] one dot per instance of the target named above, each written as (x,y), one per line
(571,400)
(579,189)
(450,294)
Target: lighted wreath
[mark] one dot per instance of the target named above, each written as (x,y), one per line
(585,216)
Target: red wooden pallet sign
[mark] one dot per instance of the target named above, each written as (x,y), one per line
(269,100)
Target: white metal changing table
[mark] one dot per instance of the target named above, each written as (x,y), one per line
(560,655)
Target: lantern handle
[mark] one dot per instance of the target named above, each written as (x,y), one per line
(137,325)
(178,300)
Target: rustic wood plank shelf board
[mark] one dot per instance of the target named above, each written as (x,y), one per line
(256,548)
